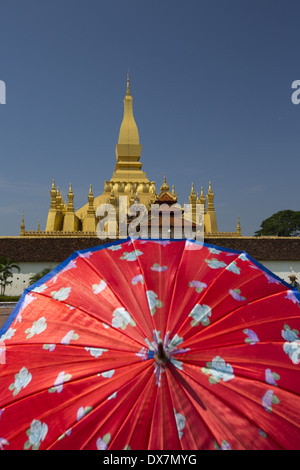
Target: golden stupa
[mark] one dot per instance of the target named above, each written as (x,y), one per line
(128,180)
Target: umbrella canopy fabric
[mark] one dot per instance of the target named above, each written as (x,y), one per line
(152,344)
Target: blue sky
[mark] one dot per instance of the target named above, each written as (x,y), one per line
(211,82)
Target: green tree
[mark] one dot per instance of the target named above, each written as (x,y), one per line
(284,223)
(6,272)
(36,277)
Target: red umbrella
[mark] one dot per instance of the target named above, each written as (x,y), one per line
(153,344)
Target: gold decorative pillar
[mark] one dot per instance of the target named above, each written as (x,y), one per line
(193,201)
(89,221)
(202,199)
(52,211)
(238,228)
(210,219)
(22,231)
(69,217)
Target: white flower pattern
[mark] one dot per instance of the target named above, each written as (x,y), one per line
(132,256)
(122,318)
(180,423)
(200,314)
(71,335)
(96,352)
(62,294)
(60,380)
(36,434)
(22,379)
(215,264)
(218,370)
(97,288)
(38,327)
(153,301)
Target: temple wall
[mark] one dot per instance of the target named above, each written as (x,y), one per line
(283,268)
(280,255)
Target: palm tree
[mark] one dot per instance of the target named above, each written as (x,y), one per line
(36,277)
(6,272)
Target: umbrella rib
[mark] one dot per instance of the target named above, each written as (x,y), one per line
(62,404)
(175,283)
(79,346)
(187,389)
(96,408)
(252,300)
(155,428)
(175,373)
(145,290)
(92,315)
(263,363)
(86,260)
(224,346)
(224,317)
(71,381)
(173,415)
(47,412)
(138,404)
(258,402)
(261,381)
(195,350)
(204,292)
(239,327)
(224,423)
(152,422)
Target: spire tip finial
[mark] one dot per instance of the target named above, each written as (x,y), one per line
(128,90)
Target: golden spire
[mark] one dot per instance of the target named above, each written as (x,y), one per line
(128,132)
(22,232)
(53,196)
(70,200)
(59,200)
(210,199)
(202,199)
(165,188)
(128,90)
(238,229)
(193,196)
(91,209)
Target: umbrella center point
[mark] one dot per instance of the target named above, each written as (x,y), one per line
(161,356)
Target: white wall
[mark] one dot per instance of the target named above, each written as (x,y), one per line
(283,268)
(21,280)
